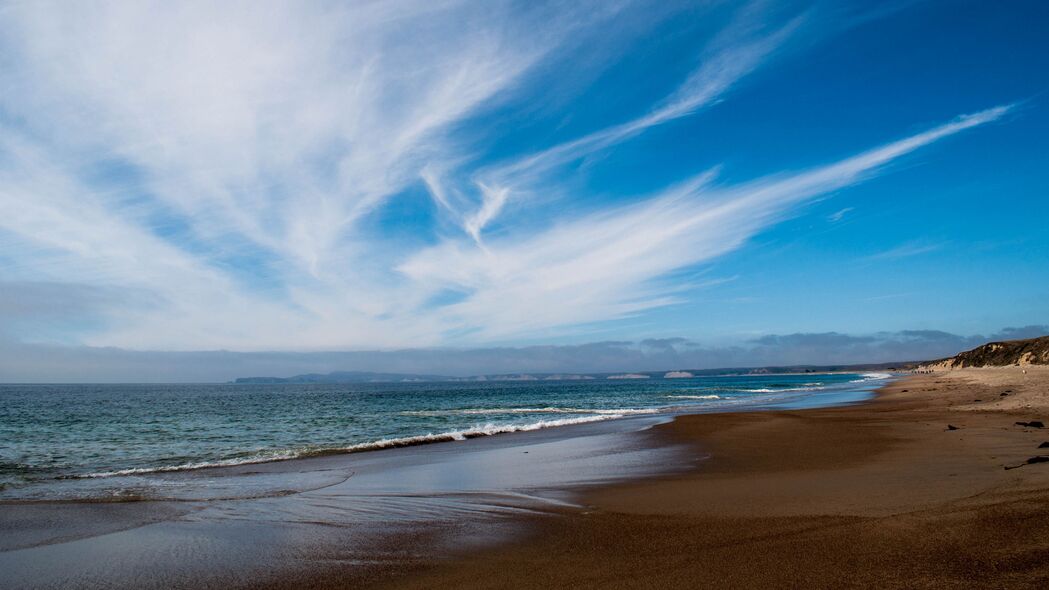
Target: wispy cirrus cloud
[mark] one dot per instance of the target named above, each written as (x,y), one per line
(607,264)
(729,57)
(190,149)
(207,175)
(840,214)
(907,250)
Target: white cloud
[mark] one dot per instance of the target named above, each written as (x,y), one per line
(493,199)
(730,56)
(906,250)
(266,129)
(214,164)
(840,214)
(607,264)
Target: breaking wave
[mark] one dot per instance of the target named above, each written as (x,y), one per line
(781,389)
(872,377)
(385,443)
(550,410)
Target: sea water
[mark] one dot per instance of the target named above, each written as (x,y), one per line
(54,436)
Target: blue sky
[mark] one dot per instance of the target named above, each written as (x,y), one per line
(378,176)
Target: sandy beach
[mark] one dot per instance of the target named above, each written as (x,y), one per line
(926,486)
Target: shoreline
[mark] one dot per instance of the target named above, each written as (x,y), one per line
(674,500)
(107,484)
(878,494)
(354,518)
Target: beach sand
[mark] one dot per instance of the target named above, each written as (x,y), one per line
(924,487)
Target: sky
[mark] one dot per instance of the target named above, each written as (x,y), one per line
(193,190)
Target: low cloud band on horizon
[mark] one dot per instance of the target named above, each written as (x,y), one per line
(39,363)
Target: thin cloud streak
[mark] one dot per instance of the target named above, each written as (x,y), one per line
(839,214)
(606,265)
(905,251)
(732,56)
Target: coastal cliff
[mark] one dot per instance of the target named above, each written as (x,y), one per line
(1032,351)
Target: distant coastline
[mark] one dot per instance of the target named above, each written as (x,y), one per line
(374,377)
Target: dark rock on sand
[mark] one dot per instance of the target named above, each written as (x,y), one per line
(1030,461)
(1044,445)
(952,427)
(1032,424)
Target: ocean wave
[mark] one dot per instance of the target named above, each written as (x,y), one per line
(252,460)
(385,443)
(872,377)
(548,410)
(694,396)
(782,389)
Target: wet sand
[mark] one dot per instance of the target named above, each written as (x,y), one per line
(351,519)
(882,494)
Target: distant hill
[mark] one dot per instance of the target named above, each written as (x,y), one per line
(345,377)
(371,377)
(1032,351)
(853,368)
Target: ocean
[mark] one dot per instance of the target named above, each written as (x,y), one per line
(110,441)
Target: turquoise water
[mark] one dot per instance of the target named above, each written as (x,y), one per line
(51,433)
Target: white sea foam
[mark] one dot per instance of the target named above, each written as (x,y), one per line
(385,443)
(548,410)
(579,416)
(872,377)
(767,390)
(252,460)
